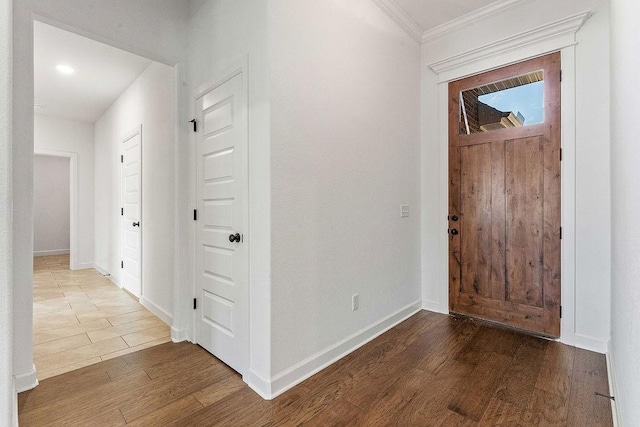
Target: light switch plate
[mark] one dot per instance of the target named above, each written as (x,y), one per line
(404,211)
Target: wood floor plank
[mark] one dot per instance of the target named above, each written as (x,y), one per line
(434,370)
(589,377)
(480,387)
(520,378)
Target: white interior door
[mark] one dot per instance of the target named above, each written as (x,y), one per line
(131,214)
(222,311)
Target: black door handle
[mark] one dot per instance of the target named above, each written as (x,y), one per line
(454,232)
(234,237)
(136,224)
(454,218)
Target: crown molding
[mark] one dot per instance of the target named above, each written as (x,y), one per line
(553,36)
(400,17)
(473,17)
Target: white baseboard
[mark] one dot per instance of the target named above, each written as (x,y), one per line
(278,384)
(100,270)
(85,265)
(179,335)
(435,307)
(51,252)
(160,313)
(115,280)
(589,343)
(26,381)
(613,388)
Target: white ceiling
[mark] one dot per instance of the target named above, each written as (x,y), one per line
(101,74)
(431,13)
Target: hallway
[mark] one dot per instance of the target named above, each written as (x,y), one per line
(81,318)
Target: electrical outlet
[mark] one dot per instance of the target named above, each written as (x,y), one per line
(355,302)
(404,211)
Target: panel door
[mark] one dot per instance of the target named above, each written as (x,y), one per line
(131,218)
(504,195)
(222,253)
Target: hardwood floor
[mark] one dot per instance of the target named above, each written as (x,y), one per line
(81,318)
(431,370)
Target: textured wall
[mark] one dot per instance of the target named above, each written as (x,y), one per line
(345,111)
(625,157)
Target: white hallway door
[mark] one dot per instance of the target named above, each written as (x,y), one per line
(131,213)
(222,306)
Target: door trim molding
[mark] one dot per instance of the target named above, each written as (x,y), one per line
(73,201)
(528,44)
(477,63)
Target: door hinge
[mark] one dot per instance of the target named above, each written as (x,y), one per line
(560,75)
(195,214)
(195,125)
(121,158)
(561,312)
(195,304)
(560,233)
(121,264)
(561,154)
(121,211)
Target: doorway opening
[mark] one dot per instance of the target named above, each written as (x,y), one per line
(87,98)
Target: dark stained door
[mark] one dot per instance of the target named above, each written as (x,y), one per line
(504,195)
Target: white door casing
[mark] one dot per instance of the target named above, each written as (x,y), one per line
(131,213)
(222,265)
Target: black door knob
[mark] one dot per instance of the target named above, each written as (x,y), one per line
(454,231)
(234,237)
(136,224)
(454,218)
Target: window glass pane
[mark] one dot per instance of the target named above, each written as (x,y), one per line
(517,101)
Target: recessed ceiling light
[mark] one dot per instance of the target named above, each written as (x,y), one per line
(65,69)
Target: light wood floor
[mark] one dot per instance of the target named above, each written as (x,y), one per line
(81,318)
(431,370)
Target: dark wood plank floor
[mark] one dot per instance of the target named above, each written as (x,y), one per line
(431,370)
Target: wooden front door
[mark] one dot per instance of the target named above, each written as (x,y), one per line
(504,195)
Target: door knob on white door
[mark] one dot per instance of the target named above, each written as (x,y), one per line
(235,237)
(136,224)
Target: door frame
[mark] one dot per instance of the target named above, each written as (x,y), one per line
(124,138)
(223,75)
(496,55)
(73,200)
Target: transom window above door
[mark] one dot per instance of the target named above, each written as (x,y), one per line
(513,102)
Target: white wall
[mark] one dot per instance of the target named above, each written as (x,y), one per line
(345,154)
(71,136)
(149,101)
(221,33)
(8,407)
(154,28)
(51,219)
(625,156)
(589,311)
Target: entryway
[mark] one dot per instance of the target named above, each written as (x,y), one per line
(504,195)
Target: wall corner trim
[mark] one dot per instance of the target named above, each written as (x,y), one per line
(179,335)
(492,9)
(26,381)
(279,383)
(546,38)
(613,388)
(400,17)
